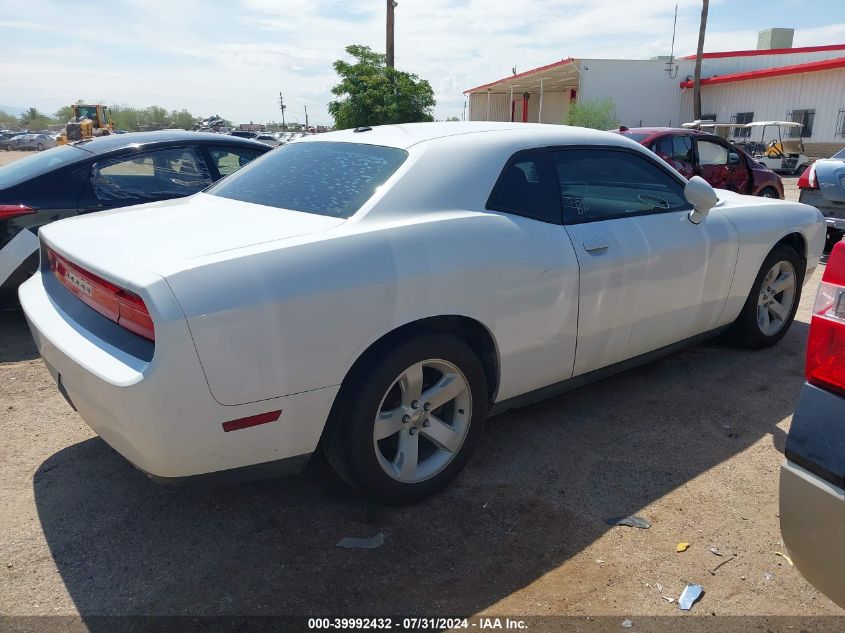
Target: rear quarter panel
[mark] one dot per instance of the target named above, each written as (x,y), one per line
(762,223)
(289,319)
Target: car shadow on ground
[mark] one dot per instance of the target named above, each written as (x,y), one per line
(16,343)
(537,492)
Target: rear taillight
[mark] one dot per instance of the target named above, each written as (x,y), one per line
(826,346)
(8,211)
(808,178)
(113,302)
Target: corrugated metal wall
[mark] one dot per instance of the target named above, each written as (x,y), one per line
(726,65)
(555,107)
(773,98)
(645,94)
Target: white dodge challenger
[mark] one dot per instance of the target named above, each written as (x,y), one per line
(382,291)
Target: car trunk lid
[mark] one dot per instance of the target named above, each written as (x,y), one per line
(164,237)
(830,179)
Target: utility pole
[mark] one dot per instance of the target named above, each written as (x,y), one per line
(391,4)
(282,107)
(306,119)
(696,90)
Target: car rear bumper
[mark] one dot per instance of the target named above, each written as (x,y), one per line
(812,522)
(812,499)
(156,409)
(833,212)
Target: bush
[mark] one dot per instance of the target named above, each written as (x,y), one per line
(597,115)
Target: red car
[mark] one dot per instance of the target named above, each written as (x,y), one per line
(722,164)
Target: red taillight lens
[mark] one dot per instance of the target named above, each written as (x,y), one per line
(8,211)
(113,302)
(826,346)
(808,178)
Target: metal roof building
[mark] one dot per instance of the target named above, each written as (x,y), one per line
(805,84)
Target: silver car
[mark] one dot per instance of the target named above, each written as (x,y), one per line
(822,185)
(36,141)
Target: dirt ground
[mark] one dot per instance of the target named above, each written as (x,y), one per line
(692,442)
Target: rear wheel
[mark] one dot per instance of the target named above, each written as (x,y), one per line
(771,305)
(406,422)
(768,192)
(800,169)
(41,147)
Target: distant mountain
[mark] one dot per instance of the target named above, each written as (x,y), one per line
(13,110)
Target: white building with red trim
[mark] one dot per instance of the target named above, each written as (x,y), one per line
(804,84)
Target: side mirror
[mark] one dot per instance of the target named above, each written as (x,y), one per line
(701,196)
(733,158)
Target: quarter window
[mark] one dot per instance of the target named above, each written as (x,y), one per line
(228,160)
(167,173)
(710,153)
(526,187)
(601,184)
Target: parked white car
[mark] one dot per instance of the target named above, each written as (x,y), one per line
(385,290)
(267,139)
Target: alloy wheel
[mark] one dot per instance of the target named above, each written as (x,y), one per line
(777,294)
(422,421)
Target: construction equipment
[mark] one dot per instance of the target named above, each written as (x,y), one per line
(88,121)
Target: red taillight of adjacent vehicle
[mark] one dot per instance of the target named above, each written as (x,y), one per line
(826,346)
(113,302)
(8,211)
(808,178)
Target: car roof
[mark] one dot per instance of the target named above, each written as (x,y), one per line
(405,135)
(112,142)
(659,131)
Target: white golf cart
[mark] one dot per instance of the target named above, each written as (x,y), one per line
(785,156)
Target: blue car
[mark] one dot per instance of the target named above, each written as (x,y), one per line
(812,480)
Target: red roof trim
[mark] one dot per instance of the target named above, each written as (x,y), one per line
(771,51)
(562,62)
(810,67)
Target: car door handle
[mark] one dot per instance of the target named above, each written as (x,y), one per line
(595,246)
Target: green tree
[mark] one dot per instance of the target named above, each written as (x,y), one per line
(182,119)
(34,119)
(63,114)
(599,115)
(371,93)
(8,119)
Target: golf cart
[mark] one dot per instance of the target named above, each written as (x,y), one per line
(780,155)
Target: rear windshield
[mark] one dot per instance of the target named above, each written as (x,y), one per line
(320,177)
(839,154)
(39,164)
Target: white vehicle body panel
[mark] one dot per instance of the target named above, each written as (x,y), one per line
(258,308)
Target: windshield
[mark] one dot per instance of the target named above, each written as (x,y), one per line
(321,177)
(39,164)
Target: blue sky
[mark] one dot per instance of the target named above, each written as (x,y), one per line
(232,58)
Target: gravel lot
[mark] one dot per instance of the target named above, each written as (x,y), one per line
(692,442)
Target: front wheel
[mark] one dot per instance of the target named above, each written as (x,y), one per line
(773,301)
(768,192)
(41,147)
(406,422)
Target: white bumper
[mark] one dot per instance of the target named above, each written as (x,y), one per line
(159,414)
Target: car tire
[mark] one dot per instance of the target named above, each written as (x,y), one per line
(378,398)
(768,192)
(770,309)
(800,169)
(41,147)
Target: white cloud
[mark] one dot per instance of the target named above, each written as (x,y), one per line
(234,58)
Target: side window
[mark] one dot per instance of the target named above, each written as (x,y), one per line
(710,153)
(663,148)
(228,160)
(682,149)
(601,184)
(167,173)
(526,187)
